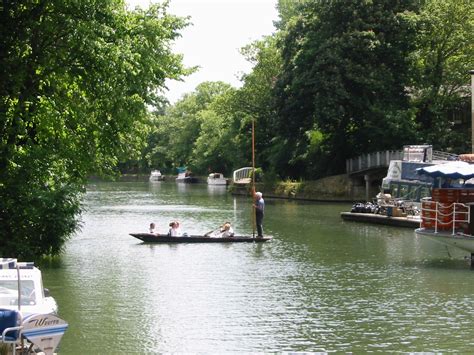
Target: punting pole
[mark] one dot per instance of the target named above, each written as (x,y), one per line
(253,178)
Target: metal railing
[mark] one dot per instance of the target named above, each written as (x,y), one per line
(438,155)
(436,215)
(242,175)
(383,158)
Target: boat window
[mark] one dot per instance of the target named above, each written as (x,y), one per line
(403,193)
(9,292)
(394,189)
(425,192)
(412,192)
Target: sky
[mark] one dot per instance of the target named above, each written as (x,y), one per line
(218,29)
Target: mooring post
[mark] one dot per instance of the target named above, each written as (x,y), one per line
(367,186)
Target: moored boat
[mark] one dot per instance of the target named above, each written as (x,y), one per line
(27,311)
(164,238)
(398,203)
(156,176)
(448,215)
(186,176)
(217,179)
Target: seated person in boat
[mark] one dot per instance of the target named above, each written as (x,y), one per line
(384,198)
(227,230)
(223,231)
(152,228)
(175,230)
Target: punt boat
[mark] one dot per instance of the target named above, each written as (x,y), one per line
(164,238)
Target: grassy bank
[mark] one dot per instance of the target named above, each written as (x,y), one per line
(334,188)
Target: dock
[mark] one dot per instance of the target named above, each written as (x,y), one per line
(406,222)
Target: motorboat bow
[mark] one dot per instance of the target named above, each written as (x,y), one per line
(27,311)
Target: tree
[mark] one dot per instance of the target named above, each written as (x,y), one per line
(76,79)
(178,130)
(254,101)
(443,57)
(342,91)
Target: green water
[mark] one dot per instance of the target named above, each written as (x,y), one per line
(321,285)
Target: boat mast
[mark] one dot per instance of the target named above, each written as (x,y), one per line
(253,178)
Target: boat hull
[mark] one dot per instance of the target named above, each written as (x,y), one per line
(153,238)
(462,241)
(187,180)
(217,182)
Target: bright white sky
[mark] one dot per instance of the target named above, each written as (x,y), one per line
(219,28)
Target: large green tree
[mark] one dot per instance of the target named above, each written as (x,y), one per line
(77,77)
(176,131)
(443,57)
(343,89)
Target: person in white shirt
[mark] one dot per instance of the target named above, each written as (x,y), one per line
(227,230)
(174,231)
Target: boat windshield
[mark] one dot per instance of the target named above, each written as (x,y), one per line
(9,293)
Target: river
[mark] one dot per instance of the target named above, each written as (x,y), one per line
(321,285)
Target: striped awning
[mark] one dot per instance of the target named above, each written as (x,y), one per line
(452,170)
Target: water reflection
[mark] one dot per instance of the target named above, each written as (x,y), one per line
(321,285)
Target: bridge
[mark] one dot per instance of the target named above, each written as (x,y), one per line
(242,176)
(370,169)
(367,171)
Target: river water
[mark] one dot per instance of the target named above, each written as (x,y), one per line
(321,285)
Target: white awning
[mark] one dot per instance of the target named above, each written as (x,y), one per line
(452,170)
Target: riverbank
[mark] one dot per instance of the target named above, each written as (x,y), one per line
(338,188)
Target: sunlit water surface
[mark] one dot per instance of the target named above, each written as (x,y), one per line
(321,285)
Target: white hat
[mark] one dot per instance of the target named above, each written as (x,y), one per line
(258,194)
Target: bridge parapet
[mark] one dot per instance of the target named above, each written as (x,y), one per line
(242,175)
(372,160)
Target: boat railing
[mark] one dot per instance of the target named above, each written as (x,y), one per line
(444,216)
(439,155)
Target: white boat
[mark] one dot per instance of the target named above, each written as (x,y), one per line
(28,314)
(448,215)
(402,180)
(156,176)
(186,177)
(217,179)
(402,189)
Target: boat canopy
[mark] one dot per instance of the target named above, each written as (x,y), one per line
(452,170)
